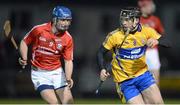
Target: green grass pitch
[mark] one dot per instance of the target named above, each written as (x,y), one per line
(77,101)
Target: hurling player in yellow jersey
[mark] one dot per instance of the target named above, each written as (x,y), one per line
(128,44)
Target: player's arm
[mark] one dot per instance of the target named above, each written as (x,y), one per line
(23,51)
(100,59)
(68,59)
(164,42)
(108,44)
(156,39)
(29,38)
(69,71)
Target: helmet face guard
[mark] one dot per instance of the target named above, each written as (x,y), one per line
(61,13)
(62,26)
(129,14)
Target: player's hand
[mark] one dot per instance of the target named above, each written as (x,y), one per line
(104,75)
(22,62)
(152,42)
(70,83)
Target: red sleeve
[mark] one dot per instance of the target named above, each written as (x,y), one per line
(160,28)
(31,36)
(68,50)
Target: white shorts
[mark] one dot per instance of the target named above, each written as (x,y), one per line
(152,59)
(43,79)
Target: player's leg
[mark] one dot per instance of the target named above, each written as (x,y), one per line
(130,92)
(148,88)
(43,84)
(156,73)
(65,95)
(136,100)
(49,96)
(62,90)
(152,95)
(46,91)
(153,62)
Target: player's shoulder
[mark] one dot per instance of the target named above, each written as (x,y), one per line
(155,18)
(145,28)
(114,32)
(40,26)
(68,36)
(36,29)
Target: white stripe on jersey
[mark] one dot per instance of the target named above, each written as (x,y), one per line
(34,28)
(68,34)
(44,52)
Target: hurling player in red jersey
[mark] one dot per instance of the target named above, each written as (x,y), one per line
(147,8)
(51,41)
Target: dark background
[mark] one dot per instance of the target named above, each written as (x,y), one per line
(92,21)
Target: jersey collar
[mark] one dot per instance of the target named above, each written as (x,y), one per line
(139,28)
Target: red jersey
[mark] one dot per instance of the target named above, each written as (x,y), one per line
(153,22)
(47,48)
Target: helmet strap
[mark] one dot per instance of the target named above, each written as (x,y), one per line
(55,21)
(135,24)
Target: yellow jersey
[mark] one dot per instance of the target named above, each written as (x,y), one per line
(128,60)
